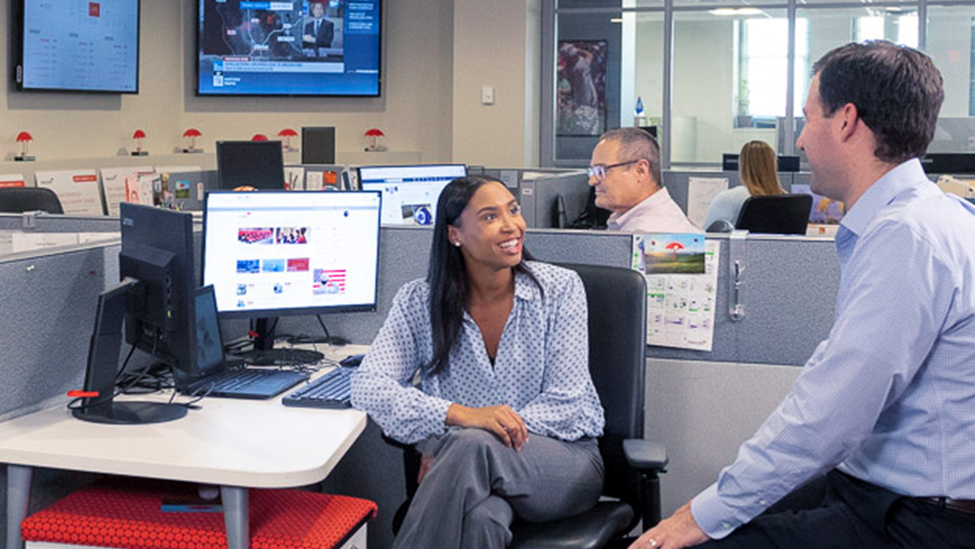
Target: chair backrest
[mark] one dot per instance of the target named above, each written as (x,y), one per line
(778,214)
(617,303)
(29,199)
(720,226)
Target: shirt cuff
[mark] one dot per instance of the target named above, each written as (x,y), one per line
(712,515)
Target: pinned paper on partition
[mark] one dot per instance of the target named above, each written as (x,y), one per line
(681,292)
(114,186)
(76,189)
(314,180)
(700,192)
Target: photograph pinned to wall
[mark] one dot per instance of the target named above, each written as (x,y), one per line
(677,253)
(582,87)
(680,305)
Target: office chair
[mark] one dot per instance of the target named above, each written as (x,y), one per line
(720,226)
(617,301)
(29,199)
(778,214)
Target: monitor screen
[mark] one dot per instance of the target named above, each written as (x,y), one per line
(78,46)
(294,47)
(157,251)
(258,164)
(410,193)
(274,253)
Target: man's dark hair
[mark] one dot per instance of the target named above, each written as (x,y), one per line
(636,144)
(897,92)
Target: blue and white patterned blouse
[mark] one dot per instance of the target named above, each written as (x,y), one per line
(541,370)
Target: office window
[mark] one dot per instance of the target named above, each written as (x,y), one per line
(951,43)
(762,67)
(730,67)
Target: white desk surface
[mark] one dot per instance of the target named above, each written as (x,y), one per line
(231,442)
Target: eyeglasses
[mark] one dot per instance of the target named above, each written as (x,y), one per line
(599,171)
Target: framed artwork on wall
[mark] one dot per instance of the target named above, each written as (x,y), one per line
(581,85)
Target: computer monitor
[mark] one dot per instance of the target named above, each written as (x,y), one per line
(280,253)
(318,145)
(410,193)
(784,163)
(155,299)
(257,164)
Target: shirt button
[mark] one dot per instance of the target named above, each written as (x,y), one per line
(725,525)
(762,502)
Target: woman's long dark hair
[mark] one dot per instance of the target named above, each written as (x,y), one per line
(447,274)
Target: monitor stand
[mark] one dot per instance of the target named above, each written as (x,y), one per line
(264,353)
(131,413)
(103,354)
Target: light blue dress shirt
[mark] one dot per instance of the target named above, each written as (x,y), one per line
(889,397)
(541,370)
(727,205)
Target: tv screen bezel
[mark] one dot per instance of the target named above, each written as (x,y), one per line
(20,13)
(379,66)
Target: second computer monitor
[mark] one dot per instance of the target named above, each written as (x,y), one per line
(278,253)
(257,164)
(410,193)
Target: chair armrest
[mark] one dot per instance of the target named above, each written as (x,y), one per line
(645,455)
(401,445)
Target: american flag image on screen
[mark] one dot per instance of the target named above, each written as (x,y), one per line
(328,281)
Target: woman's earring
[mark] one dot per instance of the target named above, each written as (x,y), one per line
(457,244)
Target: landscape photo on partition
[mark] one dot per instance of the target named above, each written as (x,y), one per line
(670,253)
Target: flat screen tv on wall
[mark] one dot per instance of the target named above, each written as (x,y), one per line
(71,45)
(289,48)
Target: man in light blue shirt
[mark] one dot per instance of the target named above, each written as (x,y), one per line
(874,447)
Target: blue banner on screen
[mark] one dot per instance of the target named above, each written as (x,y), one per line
(304,47)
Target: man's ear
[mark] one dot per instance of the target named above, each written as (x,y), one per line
(849,120)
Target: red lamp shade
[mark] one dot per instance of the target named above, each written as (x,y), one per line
(139,134)
(192,132)
(24,136)
(287,132)
(375,132)
(259,137)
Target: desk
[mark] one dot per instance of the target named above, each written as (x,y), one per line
(237,444)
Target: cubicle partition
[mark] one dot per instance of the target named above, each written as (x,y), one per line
(701,404)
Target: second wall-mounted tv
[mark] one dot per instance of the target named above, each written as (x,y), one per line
(72,45)
(300,47)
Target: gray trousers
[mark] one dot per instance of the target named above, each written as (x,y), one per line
(477,486)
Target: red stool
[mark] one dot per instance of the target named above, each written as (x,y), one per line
(132,518)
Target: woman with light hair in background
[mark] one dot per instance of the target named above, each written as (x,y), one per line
(758,168)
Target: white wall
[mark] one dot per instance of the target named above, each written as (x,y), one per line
(415,109)
(496,44)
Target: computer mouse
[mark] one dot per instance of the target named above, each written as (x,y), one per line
(351,361)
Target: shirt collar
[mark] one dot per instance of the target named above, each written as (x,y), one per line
(525,287)
(647,204)
(882,193)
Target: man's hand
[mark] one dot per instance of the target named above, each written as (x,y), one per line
(500,420)
(676,532)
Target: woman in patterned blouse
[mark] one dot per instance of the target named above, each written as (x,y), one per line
(485,364)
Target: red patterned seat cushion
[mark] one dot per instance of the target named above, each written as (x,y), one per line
(131,517)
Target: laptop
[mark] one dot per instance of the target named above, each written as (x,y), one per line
(214,375)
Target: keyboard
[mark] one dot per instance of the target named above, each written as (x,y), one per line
(249,383)
(332,390)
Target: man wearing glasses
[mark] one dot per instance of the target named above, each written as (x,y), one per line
(625,172)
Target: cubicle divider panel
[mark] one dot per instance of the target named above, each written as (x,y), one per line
(49,311)
(404,255)
(47,223)
(789,295)
(677,182)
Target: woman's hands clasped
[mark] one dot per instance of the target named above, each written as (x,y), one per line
(500,420)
